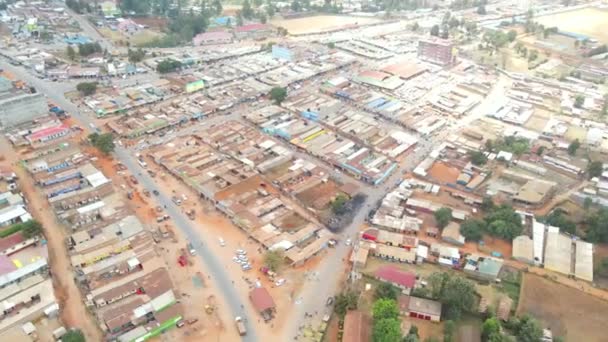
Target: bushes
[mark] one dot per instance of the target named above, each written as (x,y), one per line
(87,88)
(29,229)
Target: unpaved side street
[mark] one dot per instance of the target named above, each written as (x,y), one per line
(73,310)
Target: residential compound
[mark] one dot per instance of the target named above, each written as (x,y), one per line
(19,105)
(116,262)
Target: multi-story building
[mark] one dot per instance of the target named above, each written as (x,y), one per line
(16,109)
(437,51)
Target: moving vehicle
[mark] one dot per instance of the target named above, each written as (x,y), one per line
(330,301)
(279,282)
(240,326)
(222,242)
(191,249)
(155,192)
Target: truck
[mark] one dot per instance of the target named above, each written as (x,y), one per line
(191,249)
(240,326)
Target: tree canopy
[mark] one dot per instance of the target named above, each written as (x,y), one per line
(454,292)
(472,229)
(597,226)
(168,65)
(345,301)
(73,335)
(443,216)
(103,142)
(278,94)
(387,330)
(274,259)
(595,169)
(136,56)
(385,308)
(559,219)
(503,222)
(386,291)
(87,49)
(478,158)
(573,147)
(86,88)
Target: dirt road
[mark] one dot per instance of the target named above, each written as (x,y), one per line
(73,311)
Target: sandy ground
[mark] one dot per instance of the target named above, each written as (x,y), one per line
(319,23)
(212,225)
(567,311)
(73,311)
(595,22)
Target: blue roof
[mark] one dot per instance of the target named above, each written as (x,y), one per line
(223,20)
(77,39)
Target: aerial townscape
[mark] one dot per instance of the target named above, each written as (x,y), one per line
(304,170)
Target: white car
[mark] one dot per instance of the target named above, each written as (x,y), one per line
(241,252)
(348,242)
(279,282)
(243,258)
(222,242)
(237,260)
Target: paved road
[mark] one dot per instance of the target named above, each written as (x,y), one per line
(214,265)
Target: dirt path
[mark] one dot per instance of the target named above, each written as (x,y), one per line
(73,310)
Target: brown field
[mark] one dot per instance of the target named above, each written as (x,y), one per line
(568,312)
(319,196)
(444,173)
(319,23)
(594,19)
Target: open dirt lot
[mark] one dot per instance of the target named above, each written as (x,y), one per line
(568,312)
(594,19)
(319,23)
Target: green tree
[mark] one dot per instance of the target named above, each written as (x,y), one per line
(278,94)
(435,30)
(136,56)
(217,7)
(103,142)
(487,204)
(587,203)
(246,10)
(579,100)
(449,331)
(386,291)
(511,35)
(73,335)
(602,268)
(529,330)
(415,26)
(385,309)
(274,259)
(454,292)
(31,228)
(573,147)
(167,66)
(597,226)
(270,9)
(86,88)
(478,158)
(595,169)
(263,18)
(386,330)
(472,229)
(71,53)
(533,55)
(559,219)
(346,301)
(481,10)
(490,327)
(443,216)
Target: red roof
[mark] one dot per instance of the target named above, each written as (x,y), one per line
(261,299)
(370,234)
(252,27)
(356,327)
(10,241)
(48,131)
(395,276)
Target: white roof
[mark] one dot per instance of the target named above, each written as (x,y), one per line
(538,236)
(11,213)
(90,207)
(97,179)
(558,252)
(583,267)
(28,328)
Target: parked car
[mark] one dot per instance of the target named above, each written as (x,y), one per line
(241,252)
(155,192)
(222,242)
(279,282)
(330,301)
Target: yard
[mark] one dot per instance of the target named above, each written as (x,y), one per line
(594,19)
(567,311)
(319,23)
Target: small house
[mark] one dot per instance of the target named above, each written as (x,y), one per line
(401,279)
(262,302)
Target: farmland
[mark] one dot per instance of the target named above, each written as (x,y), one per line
(563,308)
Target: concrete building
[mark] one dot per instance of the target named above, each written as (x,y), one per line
(558,252)
(16,109)
(523,249)
(436,51)
(451,234)
(401,279)
(426,309)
